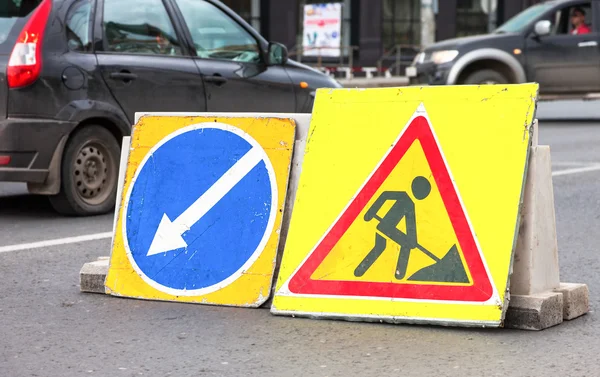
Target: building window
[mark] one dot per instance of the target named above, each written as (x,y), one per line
(346,22)
(401,23)
(249,10)
(470,18)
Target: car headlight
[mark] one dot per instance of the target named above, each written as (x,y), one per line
(446,56)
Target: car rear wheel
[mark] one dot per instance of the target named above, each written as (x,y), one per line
(485,77)
(89,173)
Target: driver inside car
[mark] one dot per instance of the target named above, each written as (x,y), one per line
(578,21)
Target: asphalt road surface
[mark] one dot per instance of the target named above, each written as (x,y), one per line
(49,328)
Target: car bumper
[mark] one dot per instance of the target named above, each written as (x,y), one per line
(30,145)
(428,74)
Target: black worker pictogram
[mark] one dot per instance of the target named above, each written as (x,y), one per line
(447,269)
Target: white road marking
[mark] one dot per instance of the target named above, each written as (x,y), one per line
(107,235)
(574,163)
(585,169)
(55,242)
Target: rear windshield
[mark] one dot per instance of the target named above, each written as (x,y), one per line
(13,14)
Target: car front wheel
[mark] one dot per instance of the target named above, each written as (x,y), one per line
(485,77)
(89,173)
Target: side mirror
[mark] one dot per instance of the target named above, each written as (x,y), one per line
(543,28)
(278,54)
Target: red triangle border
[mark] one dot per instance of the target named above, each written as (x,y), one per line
(480,291)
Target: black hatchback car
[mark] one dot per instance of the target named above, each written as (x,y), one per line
(73,73)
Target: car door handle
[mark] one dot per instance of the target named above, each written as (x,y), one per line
(123,75)
(588,44)
(216,79)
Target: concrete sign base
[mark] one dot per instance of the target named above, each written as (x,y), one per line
(538,300)
(92,276)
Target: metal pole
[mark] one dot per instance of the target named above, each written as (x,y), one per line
(427,23)
(320,58)
(351,60)
(342,35)
(491,15)
(398,57)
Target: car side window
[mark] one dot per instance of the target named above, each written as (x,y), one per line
(78,26)
(139,27)
(572,20)
(216,35)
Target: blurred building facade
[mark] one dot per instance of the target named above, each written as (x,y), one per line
(376,27)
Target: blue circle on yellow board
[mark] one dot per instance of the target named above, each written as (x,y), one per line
(227,238)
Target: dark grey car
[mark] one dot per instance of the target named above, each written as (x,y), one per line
(74,72)
(537,45)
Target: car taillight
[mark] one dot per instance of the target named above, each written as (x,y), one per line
(25,62)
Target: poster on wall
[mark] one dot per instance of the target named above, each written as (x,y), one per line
(322,30)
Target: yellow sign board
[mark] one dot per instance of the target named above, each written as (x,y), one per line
(201,209)
(408,203)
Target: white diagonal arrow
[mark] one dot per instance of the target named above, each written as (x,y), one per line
(169,233)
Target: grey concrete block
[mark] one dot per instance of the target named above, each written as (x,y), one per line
(576,300)
(535,267)
(92,276)
(534,312)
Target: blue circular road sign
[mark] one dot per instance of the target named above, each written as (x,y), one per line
(200,209)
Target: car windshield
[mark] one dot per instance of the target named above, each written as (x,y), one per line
(519,22)
(10,12)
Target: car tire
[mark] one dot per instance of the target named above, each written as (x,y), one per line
(89,173)
(485,76)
